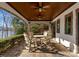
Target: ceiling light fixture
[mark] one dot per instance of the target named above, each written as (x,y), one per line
(40,9)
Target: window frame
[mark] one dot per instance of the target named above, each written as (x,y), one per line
(58,27)
(71,26)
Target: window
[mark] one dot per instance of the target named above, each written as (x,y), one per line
(58,26)
(68,24)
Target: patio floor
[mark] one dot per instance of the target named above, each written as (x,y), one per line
(21,51)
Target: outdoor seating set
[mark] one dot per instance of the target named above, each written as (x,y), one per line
(42,43)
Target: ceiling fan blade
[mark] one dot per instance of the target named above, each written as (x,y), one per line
(34,7)
(46,6)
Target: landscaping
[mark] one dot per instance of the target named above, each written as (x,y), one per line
(10,42)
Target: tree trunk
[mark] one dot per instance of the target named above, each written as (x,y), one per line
(5,24)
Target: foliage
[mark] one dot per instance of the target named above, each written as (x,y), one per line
(8,42)
(10,38)
(19,25)
(35,28)
(39,28)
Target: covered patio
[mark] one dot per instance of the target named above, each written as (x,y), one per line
(44,40)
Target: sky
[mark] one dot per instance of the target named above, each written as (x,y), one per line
(8,17)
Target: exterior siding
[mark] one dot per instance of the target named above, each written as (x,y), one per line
(65,39)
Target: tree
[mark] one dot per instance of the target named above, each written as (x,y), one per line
(19,25)
(4,22)
(39,28)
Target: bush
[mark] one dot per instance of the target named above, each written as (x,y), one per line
(9,42)
(20,31)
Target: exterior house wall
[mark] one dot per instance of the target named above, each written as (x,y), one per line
(65,39)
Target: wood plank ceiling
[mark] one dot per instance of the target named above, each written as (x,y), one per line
(40,11)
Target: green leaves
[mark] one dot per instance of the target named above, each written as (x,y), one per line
(19,25)
(39,28)
(9,41)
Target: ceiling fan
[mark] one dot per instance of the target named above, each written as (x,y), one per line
(40,6)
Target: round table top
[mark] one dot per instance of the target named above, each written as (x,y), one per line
(38,36)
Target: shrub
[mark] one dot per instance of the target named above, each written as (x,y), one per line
(9,42)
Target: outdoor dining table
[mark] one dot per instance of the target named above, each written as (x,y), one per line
(38,38)
(37,41)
